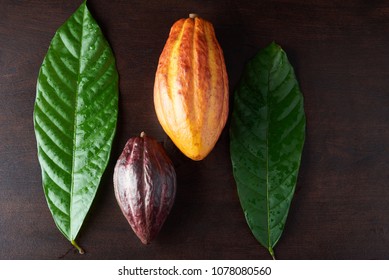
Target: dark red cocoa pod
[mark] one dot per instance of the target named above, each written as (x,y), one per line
(145,186)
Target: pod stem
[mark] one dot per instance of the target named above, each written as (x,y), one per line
(80,250)
(193,15)
(142,134)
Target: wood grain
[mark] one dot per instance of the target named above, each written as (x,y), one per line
(340,53)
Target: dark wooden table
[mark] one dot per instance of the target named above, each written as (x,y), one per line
(340,51)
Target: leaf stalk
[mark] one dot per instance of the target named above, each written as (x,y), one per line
(272,253)
(80,250)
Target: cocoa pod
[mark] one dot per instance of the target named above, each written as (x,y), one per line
(145,186)
(191,87)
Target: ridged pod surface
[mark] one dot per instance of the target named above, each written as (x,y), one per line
(145,186)
(191,87)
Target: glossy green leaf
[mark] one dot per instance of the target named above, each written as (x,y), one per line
(75,117)
(266,140)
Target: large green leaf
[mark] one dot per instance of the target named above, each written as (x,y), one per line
(267,136)
(75,118)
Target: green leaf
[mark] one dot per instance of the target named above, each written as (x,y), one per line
(266,140)
(75,117)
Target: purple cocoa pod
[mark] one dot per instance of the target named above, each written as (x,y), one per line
(145,186)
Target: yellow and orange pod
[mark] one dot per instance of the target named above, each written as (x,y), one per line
(191,87)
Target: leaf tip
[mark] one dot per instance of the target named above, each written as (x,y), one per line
(275,46)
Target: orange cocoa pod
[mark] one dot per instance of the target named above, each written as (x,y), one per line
(191,87)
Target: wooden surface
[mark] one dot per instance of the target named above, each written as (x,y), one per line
(340,51)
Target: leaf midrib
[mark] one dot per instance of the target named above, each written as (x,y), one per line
(267,158)
(268,120)
(76,125)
